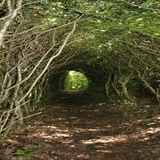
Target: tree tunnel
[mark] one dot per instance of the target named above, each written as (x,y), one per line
(84,78)
(117,54)
(109,78)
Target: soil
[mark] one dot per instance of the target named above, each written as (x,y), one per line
(80,127)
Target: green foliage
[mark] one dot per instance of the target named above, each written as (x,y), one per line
(2,142)
(75,81)
(150,124)
(41,144)
(24,152)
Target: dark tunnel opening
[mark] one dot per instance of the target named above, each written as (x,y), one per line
(75,84)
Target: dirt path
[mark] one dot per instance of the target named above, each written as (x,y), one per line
(79,128)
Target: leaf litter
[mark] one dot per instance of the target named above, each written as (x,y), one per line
(84,128)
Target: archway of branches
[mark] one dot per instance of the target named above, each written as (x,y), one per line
(93,73)
(29,77)
(117,55)
(116,74)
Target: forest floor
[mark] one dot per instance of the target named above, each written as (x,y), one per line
(84,128)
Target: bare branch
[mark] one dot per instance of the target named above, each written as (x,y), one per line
(9,18)
(49,62)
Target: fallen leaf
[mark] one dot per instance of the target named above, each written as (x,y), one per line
(8,151)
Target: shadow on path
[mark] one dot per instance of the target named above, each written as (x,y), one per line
(79,127)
